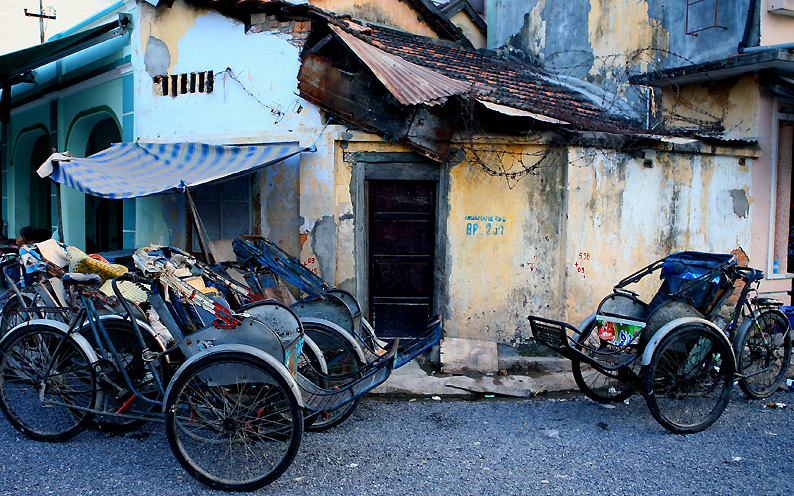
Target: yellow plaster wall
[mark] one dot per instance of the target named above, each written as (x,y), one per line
(392,13)
(622,28)
(503,249)
(734,101)
(469,29)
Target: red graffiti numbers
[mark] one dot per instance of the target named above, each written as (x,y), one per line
(584,256)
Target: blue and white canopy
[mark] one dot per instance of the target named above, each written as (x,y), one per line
(130,170)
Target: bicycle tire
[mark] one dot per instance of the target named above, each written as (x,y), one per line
(688,382)
(763,354)
(26,355)
(600,386)
(238,436)
(342,360)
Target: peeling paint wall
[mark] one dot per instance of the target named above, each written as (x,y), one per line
(395,14)
(735,102)
(254,100)
(255,78)
(623,215)
(583,29)
(577,228)
(504,252)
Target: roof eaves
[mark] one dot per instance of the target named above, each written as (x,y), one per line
(780,59)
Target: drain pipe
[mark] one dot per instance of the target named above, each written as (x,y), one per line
(748,25)
(782,46)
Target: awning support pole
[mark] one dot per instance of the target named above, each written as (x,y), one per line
(206,249)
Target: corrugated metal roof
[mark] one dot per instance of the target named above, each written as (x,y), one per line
(410,83)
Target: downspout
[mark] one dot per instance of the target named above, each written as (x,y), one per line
(748,26)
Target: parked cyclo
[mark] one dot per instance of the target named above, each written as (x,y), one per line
(681,350)
(331,318)
(226,384)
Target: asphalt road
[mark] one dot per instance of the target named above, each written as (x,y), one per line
(552,446)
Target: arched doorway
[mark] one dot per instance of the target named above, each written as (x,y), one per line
(103,217)
(29,201)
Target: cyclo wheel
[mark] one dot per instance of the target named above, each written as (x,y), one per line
(342,361)
(233,422)
(311,365)
(125,340)
(688,382)
(601,386)
(763,354)
(12,314)
(69,389)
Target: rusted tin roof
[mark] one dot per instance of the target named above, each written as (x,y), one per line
(410,83)
(500,80)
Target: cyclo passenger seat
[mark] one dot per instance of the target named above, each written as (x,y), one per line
(685,277)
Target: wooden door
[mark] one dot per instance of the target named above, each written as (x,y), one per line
(401,238)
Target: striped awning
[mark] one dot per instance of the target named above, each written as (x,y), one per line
(130,170)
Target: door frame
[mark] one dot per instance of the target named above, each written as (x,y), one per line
(397,166)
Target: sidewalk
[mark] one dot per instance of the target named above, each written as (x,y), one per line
(526,376)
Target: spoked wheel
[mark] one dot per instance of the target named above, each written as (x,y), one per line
(689,380)
(311,365)
(763,354)
(12,314)
(46,383)
(601,386)
(233,422)
(342,362)
(130,354)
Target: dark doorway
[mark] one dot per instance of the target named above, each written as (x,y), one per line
(401,239)
(40,188)
(104,222)
(224,210)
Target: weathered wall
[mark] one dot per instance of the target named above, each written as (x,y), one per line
(623,215)
(573,32)
(555,243)
(254,100)
(732,102)
(255,83)
(578,227)
(389,13)
(505,247)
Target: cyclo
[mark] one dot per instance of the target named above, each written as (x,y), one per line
(678,349)
(227,385)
